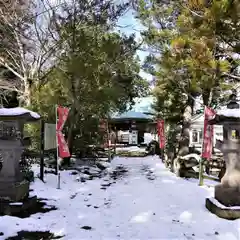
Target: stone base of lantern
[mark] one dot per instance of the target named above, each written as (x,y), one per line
(215,207)
(19,209)
(14,191)
(228,196)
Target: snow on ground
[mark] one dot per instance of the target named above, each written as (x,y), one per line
(130,149)
(148,137)
(149,203)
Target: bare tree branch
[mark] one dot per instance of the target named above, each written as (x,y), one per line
(231,76)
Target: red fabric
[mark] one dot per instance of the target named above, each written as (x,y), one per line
(161,135)
(63,149)
(207,133)
(62,117)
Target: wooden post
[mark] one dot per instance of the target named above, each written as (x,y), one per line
(42,150)
(109,142)
(116,139)
(201,172)
(162,155)
(57,166)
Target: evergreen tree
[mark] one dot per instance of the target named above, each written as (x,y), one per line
(97,72)
(191,55)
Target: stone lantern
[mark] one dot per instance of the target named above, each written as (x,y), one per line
(12,120)
(226,199)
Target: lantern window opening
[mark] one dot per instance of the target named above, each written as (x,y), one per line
(197,136)
(235,134)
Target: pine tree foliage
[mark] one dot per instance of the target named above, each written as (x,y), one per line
(97,71)
(194,45)
(191,46)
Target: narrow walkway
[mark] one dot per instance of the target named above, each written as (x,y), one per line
(141,200)
(158,205)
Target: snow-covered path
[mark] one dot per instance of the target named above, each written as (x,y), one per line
(146,203)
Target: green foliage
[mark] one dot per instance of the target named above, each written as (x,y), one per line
(193,43)
(97,73)
(187,38)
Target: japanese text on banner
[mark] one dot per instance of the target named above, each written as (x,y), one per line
(62,113)
(161,135)
(207,133)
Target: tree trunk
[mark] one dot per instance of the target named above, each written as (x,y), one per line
(184,140)
(206,96)
(25,99)
(211,96)
(70,137)
(171,147)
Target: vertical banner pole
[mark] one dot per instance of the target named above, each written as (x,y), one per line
(200,183)
(57,167)
(115,144)
(201,172)
(108,140)
(161,137)
(163,140)
(162,155)
(42,151)
(61,145)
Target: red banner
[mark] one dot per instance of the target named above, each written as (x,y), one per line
(161,135)
(62,113)
(207,133)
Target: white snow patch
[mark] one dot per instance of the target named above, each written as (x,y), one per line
(227,236)
(229,113)
(17,112)
(16,204)
(142,217)
(148,137)
(105,164)
(185,217)
(133,207)
(81,216)
(131,149)
(168,181)
(192,155)
(218,204)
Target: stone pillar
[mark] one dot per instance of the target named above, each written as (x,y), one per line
(12,185)
(228,192)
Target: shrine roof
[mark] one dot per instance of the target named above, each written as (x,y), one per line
(132,115)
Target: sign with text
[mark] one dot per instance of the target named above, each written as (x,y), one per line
(161,135)
(49,136)
(62,113)
(207,133)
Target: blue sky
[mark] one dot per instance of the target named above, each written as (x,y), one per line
(131,25)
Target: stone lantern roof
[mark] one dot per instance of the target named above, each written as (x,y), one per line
(226,115)
(18,113)
(231,114)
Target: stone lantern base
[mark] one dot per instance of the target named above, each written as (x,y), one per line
(14,191)
(228,196)
(215,207)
